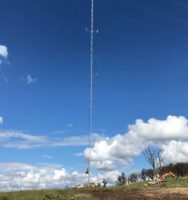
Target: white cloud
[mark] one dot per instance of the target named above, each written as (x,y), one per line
(14,134)
(20,176)
(121,149)
(23,176)
(109,176)
(30,79)
(79,154)
(105,165)
(82,140)
(20,140)
(175,151)
(107,153)
(1,120)
(3,51)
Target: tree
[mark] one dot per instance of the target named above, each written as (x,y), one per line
(133,178)
(122,179)
(154,159)
(180,169)
(104,183)
(147,174)
(150,156)
(159,161)
(144,174)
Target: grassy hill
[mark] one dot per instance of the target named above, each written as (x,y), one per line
(173,190)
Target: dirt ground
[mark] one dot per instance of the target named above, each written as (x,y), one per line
(144,194)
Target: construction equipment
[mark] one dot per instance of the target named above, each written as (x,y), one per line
(162,178)
(167,175)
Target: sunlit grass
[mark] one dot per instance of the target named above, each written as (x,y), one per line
(85,193)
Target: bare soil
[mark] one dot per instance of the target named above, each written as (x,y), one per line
(140,194)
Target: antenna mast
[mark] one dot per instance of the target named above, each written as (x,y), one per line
(91,71)
(91,86)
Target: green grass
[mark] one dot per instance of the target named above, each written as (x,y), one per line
(71,194)
(180,182)
(83,194)
(171,183)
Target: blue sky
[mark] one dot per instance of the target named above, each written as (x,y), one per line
(140,71)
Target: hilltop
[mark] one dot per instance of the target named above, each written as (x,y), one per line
(172,190)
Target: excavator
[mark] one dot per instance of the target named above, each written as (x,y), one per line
(165,176)
(162,178)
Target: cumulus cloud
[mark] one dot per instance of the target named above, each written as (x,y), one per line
(30,79)
(175,151)
(171,133)
(21,176)
(1,120)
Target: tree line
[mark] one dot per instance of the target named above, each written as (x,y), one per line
(154,159)
(179,169)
